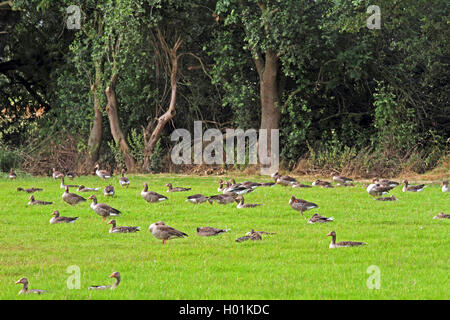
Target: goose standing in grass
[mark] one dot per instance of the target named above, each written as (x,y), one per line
(85,189)
(72,198)
(115,275)
(209,231)
(252,236)
(240,201)
(103,174)
(30,190)
(407,187)
(341,180)
(151,196)
(322,183)
(301,205)
(109,191)
(176,189)
(376,189)
(63,186)
(25,289)
(12,175)
(445,187)
(197,198)
(38,202)
(122,229)
(391,198)
(316,218)
(124,181)
(59,219)
(283,180)
(223,198)
(333,243)
(161,231)
(57,174)
(103,209)
(442,215)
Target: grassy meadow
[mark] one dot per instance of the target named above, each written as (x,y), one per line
(410,248)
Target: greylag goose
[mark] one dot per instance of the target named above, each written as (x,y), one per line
(109,191)
(240,200)
(25,289)
(300,185)
(342,180)
(445,187)
(59,219)
(333,243)
(103,209)
(221,185)
(72,198)
(223,198)
(161,231)
(316,218)
(376,189)
(176,189)
(71,175)
(12,175)
(38,202)
(29,190)
(197,198)
(124,181)
(252,236)
(322,183)
(112,287)
(301,205)
(283,180)
(237,188)
(86,189)
(267,184)
(103,174)
(442,215)
(258,232)
(57,174)
(209,231)
(122,229)
(391,198)
(246,184)
(385,182)
(151,196)
(407,187)
(63,186)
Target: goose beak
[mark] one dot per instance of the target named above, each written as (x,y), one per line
(329,234)
(18,281)
(112,275)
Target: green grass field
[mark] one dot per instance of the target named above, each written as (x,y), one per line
(410,248)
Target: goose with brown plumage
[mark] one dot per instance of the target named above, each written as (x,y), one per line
(124,181)
(385,182)
(210,231)
(258,232)
(29,190)
(376,189)
(341,244)
(34,202)
(122,229)
(442,215)
(409,188)
(57,174)
(391,198)
(72,198)
(163,232)
(240,201)
(82,188)
(283,180)
(254,236)
(109,191)
(197,198)
(300,185)
(317,218)
(60,219)
(115,275)
(342,180)
(12,175)
(322,183)
(151,196)
(445,187)
(176,189)
(102,209)
(103,174)
(25,289)
(223,198)
(301,205)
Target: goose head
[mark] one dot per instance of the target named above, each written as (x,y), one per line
(19,189)
(92,197)
(115,275)
(31,198)
(22,281)
(113,222)
(444,183)
(169,185)
(332,234)
(55,213)
(292,200)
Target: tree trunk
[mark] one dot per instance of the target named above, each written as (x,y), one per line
(95,136)
(116,131)
(150,142)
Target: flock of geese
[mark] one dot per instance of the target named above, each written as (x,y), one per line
(229,192)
